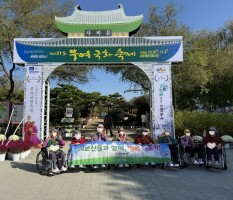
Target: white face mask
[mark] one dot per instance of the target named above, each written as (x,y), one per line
(144,133)
(100,130)
(211,132)
(187,134)
(167,133)
(121,132)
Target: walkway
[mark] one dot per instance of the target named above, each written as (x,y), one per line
(20,180)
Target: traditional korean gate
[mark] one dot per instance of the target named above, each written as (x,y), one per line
(153,55)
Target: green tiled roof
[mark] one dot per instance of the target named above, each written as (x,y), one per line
(116,20)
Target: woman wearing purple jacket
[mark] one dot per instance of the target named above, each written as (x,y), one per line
(190,147)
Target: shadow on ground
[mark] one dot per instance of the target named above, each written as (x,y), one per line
(29,167)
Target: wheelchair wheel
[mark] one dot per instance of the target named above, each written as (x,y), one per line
(43,164)
(224,159)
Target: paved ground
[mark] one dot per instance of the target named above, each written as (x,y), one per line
(20,180)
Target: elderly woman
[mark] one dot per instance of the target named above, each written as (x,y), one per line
(52,144)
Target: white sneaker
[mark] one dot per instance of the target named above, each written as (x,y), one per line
(152,163)
(146,163)
(126,165)
(81,166)
(56,170)
(103,165)
(95,167)
(195,162)
(72,166)
(170,164)
(63,169)
(120,165)
(200,161)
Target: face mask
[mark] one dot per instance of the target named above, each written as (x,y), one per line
(167,133)
(77,136)
(187,134)
(121,132)
(211,132)
(100,130)
(144,133)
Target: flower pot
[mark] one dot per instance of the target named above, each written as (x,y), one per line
(22,155)
(2,157)
(15,156)
(227,146)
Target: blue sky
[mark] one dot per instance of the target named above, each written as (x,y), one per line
(196,14)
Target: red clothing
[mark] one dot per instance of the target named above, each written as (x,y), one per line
(143,139)
(213,139)
(75,141)
(27,130)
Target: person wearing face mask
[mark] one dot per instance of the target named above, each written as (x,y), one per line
(144,138)
(213,144)
(167,138)
(76,140)
(51,144)
(121,137)
(187,143)
(99,136)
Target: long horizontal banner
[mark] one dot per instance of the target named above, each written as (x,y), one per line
(68,51)
(117,153)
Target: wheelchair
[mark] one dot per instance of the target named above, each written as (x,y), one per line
(186,158)
(44,164)
(222,158)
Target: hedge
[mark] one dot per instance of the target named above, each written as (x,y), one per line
(197,122)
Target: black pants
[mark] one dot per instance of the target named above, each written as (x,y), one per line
(108,127)
(173,151)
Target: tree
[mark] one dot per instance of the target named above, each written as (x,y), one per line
(159,24)
(30,18)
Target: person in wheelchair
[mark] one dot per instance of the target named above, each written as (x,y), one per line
(144,138)
(172,143)
(213,144)
(188,145)
(53,144)
(76,140)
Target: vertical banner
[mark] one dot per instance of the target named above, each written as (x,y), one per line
(32,102)
(163,112)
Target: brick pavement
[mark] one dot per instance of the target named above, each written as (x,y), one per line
(20,180)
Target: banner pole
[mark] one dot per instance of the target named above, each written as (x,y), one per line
(17,127)
(8,123)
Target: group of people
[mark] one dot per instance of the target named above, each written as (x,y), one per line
(211,140)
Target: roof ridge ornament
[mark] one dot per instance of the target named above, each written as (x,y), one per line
(77,7)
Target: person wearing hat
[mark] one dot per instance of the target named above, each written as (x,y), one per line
(188,145)
(52,144)
(144,138)
(121,137)
(76,140)
(167,138)
(213,144)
